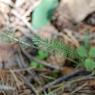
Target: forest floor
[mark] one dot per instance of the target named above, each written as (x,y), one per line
(30,65)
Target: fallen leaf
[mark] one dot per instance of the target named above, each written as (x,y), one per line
(76,10)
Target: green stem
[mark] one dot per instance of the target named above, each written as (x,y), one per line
(43,13)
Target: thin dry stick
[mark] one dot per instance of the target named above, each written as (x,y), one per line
(16,79)
(84,78)
(79,88)
(32,73)
(61,79)
(4,83)
(24,21)
(29,84)
(39,61)
(19,70)
(33,31)
(5,87)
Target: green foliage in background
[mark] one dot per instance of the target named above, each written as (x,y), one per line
(55,46)
(41,56)
(85,54)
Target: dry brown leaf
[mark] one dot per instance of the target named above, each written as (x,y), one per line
(56,59)
(76,10)
(7,57)
(67,70)
(91,82)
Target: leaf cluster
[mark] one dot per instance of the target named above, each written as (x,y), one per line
(84,53)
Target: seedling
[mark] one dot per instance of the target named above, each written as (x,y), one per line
(41,56)
(85,54)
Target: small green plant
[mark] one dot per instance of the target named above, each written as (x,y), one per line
(55,46)
(41,56)
(87,56)
(84,53)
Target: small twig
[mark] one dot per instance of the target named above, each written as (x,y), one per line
(15,39)
(22,64)
(5,87)
(63,78)
(25,22)
(78,88)
(39,61)
(18,83)
(84,78)
(18,70)
(29,84)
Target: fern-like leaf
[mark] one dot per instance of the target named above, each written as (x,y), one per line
(56,46)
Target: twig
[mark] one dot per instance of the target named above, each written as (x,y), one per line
(78,88)
(24,65)
(84,78)
(63,78)
(17,70)
(5,87)
(18,83)
(25,22)
(29,84)
(40,62)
